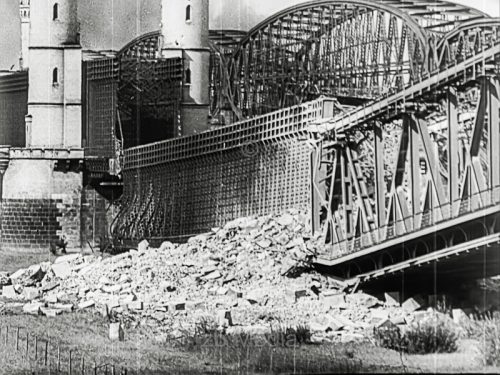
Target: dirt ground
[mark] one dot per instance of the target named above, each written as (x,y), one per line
(139,353)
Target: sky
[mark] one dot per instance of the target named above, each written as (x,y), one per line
(110,24)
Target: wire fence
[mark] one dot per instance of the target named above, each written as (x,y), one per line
(47,356)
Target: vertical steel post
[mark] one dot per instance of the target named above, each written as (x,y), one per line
(346,195)
(315,197)
(494,133)
(414,148)
(453,153)
(380,188)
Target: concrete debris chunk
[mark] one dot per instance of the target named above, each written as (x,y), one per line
(177,306)
(9,292)
(196,305)
(86,304)
(4,279)
(116,332)
(213,275)
(143,246)
(51,313)
(264,244)
(285,220)
(18,274)
(66,307)
(392,298)
(364,300)
(68,258)
(233,292)
(30,293)
(257,296)
(136,305)
(33,308)
(62,270)
(459,316)
(224,318)
(293,295)
(49,286)
(411,305)
(51,298)
(112,289)
(336,301)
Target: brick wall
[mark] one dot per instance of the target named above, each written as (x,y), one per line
(41,204)
(29,223)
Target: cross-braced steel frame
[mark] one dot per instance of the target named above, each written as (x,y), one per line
(353,50)
(416,166)
(412,151)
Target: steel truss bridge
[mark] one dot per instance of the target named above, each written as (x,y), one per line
(403,161)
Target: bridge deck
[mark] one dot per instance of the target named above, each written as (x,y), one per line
(491,242)
(328,260)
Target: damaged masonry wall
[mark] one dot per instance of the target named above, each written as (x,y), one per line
(39,205)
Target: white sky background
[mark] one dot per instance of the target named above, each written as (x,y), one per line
(109,24)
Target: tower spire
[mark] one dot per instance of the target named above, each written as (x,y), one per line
(54,98)
(185,35)
(24,12)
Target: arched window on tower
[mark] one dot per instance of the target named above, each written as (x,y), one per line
(188,13)
(188,76)
(55,11)
(55,77)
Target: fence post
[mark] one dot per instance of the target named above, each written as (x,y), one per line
(58,358)
(27,346)
(36,348)
(17,339)
(113,370)
(70,362)
(83,365)
(95,368)
(46,352)
(6,335)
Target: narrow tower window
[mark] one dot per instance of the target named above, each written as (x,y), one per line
(188,13)
(55,76)
(188,76)
(55,11)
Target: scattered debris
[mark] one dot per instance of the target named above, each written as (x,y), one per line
(246,276)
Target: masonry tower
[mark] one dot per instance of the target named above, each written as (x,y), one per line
(54,99)
(24,10)
(185,35)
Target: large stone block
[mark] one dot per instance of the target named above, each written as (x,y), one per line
(116,332)
(62,270)
(9,292)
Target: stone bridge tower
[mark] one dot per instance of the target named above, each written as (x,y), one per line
(185,35)
(54,99)
(40,203)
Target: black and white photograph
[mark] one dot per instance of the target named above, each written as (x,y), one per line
(249,187)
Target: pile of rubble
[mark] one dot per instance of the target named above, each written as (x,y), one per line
(249,275)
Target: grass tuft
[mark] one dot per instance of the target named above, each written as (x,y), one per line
(486,329)
(428,336)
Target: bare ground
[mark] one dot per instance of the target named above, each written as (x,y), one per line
(140,353)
